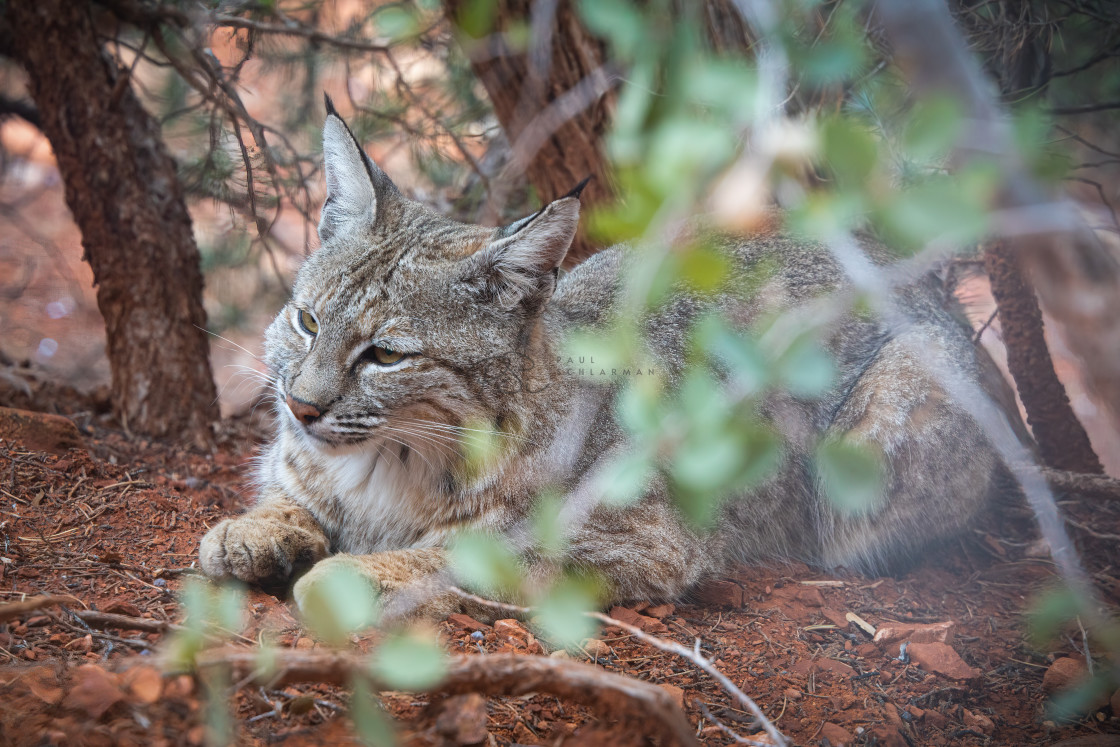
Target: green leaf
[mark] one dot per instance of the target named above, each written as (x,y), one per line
(476,17)
(704,270)
(618,21)
(339,602)
(850,151)
(546,525)
(626,477)
(932,128)
(1050,611)
(805,370)
(374,728)
(397,22)
(484,563)
(561,613)
(851,475)
(410,661)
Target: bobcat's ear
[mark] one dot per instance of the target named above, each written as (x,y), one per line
(519,265)
(356,187)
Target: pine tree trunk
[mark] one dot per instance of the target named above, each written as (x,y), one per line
(575,150)
(122,188)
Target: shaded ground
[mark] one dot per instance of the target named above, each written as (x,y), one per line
(116,527)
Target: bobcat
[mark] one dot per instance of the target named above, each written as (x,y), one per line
(379,360)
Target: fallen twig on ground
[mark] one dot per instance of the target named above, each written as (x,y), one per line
(668,646)
(12,610)
(609,694)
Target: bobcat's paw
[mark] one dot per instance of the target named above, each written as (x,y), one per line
(258,550)
(404,590)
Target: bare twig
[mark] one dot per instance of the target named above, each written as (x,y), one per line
(693,655)
(13,610)
(493,675)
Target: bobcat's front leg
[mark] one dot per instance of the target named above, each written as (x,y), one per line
(266,545)
(409,583)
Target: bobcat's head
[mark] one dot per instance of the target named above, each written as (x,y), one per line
(392,322)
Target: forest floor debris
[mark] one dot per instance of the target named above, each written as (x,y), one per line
(107,532)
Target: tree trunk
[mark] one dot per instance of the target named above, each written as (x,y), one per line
(122,188)
(518,93)
(1062,441)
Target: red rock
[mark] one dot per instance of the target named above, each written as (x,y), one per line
(792,693)
(95,691)
(836,734)
(466,622)
(978,722)
(629,616)
(805,667)
(144,684)
(885,736)
(514,632)
(595,648)
(836,617)
(39,431)
(1063,673)
(661,611)
(810,596)
(122,607)
(462,719)
(935,719)
(44,684)
(675,692)
(941,659)
(892,634)
(719,593)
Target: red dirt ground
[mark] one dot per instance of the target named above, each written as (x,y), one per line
(116,525)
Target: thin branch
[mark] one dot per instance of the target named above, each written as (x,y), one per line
(493,675)
(671,647)
(14,610)
(1085,108)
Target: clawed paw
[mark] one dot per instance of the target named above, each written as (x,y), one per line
(258,550)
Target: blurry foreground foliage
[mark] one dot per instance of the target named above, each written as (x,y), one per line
(813,114)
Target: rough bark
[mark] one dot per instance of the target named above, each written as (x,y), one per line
(1062,441)
(642,705)
(1077,280)
(122,188)
(575,150)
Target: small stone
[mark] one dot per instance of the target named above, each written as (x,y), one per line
(95,691)
(560,654)
(810,596)
(719,593)
(514,632)
(630,617)
(792,693)
(466,622)
(891,634)
(675,692)
(1063,673)
(477,635)
(462,719)
(837,735)
(661,611)
(978,722)
(305,642)
(595,648)
(940,658)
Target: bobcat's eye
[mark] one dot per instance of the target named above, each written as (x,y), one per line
(382,356)
(307,322)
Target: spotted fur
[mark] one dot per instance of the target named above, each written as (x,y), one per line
(378,480)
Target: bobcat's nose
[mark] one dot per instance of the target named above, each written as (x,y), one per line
(305,412)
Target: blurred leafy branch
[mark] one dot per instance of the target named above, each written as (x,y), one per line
(811,112)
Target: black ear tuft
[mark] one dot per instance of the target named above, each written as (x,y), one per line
(576,190)
(330,105)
